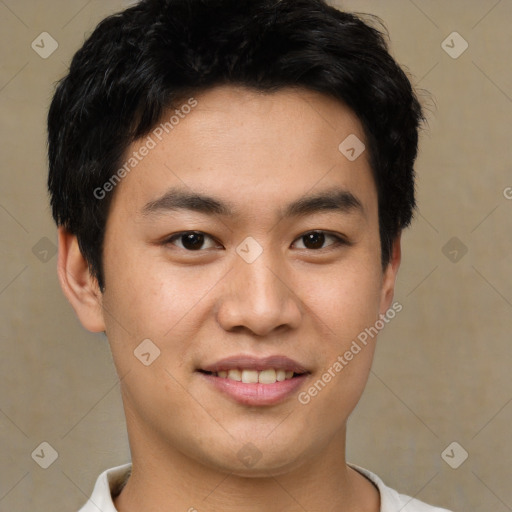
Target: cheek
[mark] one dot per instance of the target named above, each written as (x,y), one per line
(345,306)
(346,310)
(148,298)
(345,298)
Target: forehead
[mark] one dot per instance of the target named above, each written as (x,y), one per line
(252,149)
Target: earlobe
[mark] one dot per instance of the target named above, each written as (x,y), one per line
(389,278)
(79,286)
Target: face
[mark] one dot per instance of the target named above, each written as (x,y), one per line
(245,245)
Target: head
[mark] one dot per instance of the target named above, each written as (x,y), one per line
(231,178)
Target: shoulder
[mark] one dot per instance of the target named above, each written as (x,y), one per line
(108,484)
(391,500)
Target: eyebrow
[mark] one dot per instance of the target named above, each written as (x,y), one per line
(175,199)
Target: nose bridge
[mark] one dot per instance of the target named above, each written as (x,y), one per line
(262,283)
(258,297)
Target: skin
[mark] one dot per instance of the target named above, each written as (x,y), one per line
(258,152)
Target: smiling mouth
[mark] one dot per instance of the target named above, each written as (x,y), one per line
(248,376)
(255,381)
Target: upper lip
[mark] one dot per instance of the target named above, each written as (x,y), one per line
(246,362)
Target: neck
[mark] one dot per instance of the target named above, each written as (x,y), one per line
(164,478)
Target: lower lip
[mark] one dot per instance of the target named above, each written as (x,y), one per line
(256,394)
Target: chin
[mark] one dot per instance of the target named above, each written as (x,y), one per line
(253,459)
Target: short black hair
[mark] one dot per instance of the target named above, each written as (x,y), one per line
(141,62)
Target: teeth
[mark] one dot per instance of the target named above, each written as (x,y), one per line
(249,376)
(234,375)
(269,376)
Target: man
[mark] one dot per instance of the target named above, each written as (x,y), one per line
(230,179)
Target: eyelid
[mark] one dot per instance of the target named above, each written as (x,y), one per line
(170,239)
(339,239)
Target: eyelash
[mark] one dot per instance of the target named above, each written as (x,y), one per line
(338,240)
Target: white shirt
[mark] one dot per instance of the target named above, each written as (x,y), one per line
(111,482)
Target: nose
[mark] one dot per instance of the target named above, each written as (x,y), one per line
(257,297)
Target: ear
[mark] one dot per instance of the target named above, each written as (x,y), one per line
(79,286)
(390,273)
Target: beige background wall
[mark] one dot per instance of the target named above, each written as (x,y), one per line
(442,369)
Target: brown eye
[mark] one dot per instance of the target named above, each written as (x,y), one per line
(191,241)
(314,240)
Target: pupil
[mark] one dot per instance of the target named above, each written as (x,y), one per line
(314,240)
(193,241)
